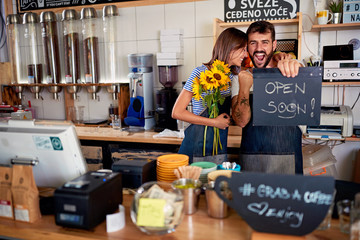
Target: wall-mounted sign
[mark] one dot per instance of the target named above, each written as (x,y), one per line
(351,11)
(281,204)
(31,5)
(255,10)
(283,101)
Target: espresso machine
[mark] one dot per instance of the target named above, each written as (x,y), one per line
(165,98)
(140,114)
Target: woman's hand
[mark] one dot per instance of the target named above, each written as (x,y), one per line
(222,121)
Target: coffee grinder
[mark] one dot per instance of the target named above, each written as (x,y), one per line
(165,98)
(140,114)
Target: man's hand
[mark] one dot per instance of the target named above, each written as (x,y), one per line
(281,56)
(289,67)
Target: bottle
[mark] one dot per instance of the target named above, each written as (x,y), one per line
(111,38)
(14,27)
(90,31)
(51,46)
(71,46)
(32,35)
(355,218)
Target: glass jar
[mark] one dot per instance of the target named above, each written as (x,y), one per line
(71,29)
(51,46)
(33,52)
(146,202)
(15,41)
(111,37)
(90,34)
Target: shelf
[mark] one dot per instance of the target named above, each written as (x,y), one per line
(220,25)
(244,24)
(338,83)
(62,84)
(335,27)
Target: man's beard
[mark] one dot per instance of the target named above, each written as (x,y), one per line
(268,58)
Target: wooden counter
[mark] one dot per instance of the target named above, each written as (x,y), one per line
(196,226)
(103,133)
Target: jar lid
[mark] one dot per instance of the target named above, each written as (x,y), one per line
(69,14)
(110,11)
(13,19)
(47,17)
(30,18)
(87,13)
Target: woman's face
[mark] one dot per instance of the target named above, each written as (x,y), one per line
(237,56)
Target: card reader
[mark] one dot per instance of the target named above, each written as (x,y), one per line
(85,201)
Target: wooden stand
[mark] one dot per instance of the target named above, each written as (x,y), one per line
(270,236)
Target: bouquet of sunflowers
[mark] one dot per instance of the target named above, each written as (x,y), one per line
(211,82)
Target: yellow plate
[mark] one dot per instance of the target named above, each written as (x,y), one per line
(173,158)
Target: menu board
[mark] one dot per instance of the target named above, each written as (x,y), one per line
(31,5)
(275,203)
(287,101)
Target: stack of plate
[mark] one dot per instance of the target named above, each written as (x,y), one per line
(166,164)
(207,167)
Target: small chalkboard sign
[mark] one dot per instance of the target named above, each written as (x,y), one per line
(283,101)
(280,204)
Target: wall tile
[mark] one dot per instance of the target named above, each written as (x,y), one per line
(127,26)
(149,21)
(204,47)
(345,36)
(181,15)
(205,12)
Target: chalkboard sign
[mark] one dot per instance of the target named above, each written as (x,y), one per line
(255,10)
(281,204)
(30,5)
(283,101)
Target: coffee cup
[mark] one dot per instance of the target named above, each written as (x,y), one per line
(323,17)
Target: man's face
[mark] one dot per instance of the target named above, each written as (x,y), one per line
(261,49)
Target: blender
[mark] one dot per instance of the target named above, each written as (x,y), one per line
(165,98)
(140,114)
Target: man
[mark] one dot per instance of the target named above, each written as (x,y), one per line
(270,149)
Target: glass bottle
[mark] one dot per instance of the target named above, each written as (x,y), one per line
(32,39)
(71,46)
(51,46)
(355,218)
(90,33)
(111,25)
(14,30)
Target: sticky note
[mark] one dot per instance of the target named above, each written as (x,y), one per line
(151,212)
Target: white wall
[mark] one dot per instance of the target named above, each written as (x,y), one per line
(139,30)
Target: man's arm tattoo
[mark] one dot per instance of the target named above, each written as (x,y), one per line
(244,101)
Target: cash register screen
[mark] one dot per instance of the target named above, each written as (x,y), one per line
(53,148)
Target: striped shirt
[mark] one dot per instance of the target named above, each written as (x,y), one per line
(198,107)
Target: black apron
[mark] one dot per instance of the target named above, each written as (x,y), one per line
(193,142)
(271,149)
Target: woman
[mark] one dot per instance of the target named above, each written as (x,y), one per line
(230,47)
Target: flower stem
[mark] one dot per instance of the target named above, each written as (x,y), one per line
(204,140)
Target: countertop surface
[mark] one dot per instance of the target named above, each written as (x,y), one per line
(104,133)
(196,226)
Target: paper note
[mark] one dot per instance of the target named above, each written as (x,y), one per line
(151,212)
(115,221)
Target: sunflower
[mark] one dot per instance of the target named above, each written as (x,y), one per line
(221,66)
(221,77)
(208,81)
(196,88)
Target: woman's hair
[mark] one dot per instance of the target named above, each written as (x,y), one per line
(230,39)
(262,27)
